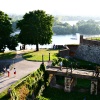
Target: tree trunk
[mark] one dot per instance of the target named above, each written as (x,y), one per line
(37,47)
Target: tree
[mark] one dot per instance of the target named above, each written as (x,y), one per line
(62,28)
(89,27)
(5,30)
(13,42)
(36,28)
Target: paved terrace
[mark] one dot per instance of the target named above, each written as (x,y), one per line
(23,68)
(78,73)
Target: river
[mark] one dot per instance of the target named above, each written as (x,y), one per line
(56,39)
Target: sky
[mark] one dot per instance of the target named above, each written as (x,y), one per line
(54,7)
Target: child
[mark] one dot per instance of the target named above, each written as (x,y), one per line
(14,71)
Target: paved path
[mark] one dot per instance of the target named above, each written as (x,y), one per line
(23,68)
(79,73)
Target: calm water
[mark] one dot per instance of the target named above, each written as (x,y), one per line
(57,40)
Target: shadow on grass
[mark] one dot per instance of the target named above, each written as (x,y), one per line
(6,97)
(7,55)
(27,56)
(59,94)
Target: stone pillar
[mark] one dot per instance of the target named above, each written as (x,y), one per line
(67,87)
(81,39)
(94,84)
(52,80)
(99,85)
(74,81)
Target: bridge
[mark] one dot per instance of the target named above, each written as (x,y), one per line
(71,76)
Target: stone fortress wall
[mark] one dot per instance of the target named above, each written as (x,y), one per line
(88,50)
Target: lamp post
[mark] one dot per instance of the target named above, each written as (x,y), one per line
(49,56)
(42,59)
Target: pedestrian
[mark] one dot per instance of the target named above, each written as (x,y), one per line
(8,70)
(61,65)
(15,71)
(4,70)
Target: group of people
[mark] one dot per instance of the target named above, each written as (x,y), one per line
(8,71)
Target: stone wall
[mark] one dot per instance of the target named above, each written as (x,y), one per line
(89,50)
(63,53)
(88,53)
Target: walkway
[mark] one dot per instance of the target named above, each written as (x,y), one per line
(23,68)
(78,73)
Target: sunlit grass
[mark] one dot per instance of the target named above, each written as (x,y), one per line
(94,38)
(7,55)
(37,55)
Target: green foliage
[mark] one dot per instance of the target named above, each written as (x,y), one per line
(41,98)
(36,28)
(55,62)
(42,67)
(66,62)
(59,59)
(74,63)
(13,42)
(5,30)
(91,27)
(62,29)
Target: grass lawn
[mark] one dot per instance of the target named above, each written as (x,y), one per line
(94,38)
(7,55)
(37,55)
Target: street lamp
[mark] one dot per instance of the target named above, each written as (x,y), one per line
(49,56)
(42,59)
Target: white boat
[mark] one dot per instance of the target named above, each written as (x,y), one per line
(73,38)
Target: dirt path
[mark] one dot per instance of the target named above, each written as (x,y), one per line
(23,68)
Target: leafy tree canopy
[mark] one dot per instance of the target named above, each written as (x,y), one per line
(5,30)
(89,27)
(36,28)
(13,42)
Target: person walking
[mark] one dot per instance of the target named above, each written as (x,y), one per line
(4,70)
(8,70)
(61,65)
(14,71)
